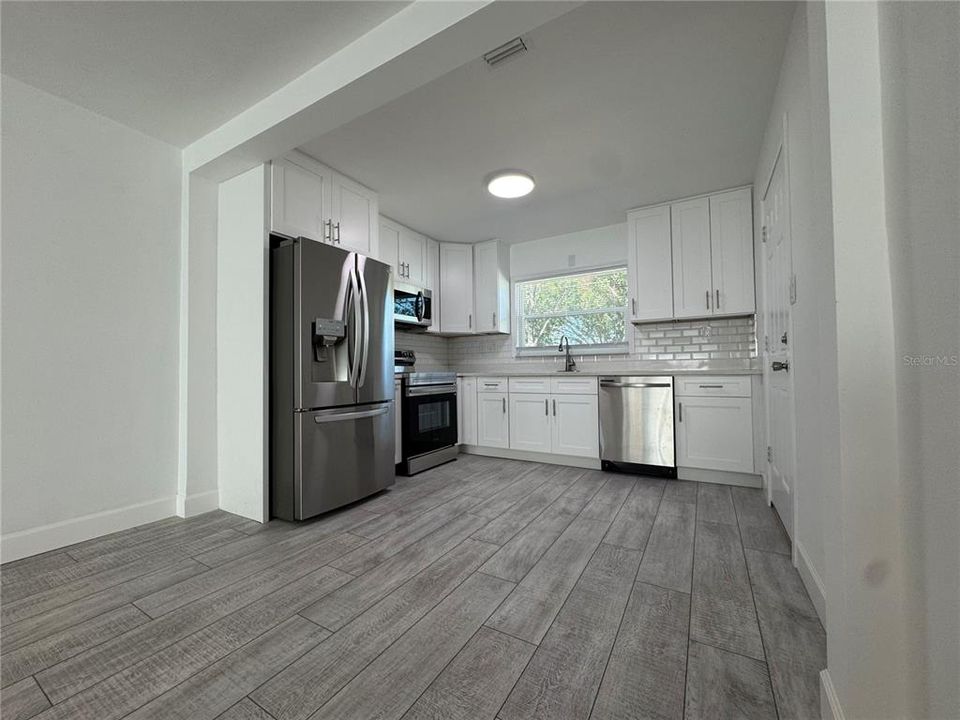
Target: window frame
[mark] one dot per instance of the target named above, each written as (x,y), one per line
(622,348)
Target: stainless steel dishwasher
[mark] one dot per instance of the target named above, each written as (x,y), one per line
(636,425)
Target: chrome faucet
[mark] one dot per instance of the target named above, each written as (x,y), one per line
(571,364)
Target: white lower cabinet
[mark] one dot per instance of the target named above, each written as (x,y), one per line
(530,426)
(467,416)
(715,433)
(576,425)
(397,422)
(560,424)
(493,421)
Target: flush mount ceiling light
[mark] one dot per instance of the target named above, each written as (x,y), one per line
(510,184)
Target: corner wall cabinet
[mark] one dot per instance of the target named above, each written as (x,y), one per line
(309,199)
(692,258)
(491,287)
(456,288)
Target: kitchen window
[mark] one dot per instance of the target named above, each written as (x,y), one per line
(590,308)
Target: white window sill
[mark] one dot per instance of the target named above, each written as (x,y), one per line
(575,351)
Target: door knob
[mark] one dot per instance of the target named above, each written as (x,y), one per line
(778,366)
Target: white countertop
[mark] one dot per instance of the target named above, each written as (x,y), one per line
(517,372)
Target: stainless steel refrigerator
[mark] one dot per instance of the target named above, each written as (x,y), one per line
(331,377)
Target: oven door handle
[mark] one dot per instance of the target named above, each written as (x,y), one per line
(431,390)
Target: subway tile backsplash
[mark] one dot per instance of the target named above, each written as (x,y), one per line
(727,342)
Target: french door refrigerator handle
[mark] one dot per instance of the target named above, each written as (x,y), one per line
(357,312)
(365,312)
(355,415)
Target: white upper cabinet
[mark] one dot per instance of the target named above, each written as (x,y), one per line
(690,232)
(649,257)
(311,200)
(353,216)
(301,198)
(731,242)
(492,287)
(412,254)
(692,258)
(456,288)
(390,245)
(432,280)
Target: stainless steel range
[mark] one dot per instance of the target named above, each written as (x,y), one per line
(428,415)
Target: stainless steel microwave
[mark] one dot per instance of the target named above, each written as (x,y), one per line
(412,305)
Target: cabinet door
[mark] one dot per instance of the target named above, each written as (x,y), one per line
(491,287)
(690,233)
(432,252)
(731,249)
(650,262)
(456,287)
(715,433)
(390,246)
(397,423)
(493,425)
(412,256)
(354,216)
(467,401)
(530,422)
(576,425)
(300,200)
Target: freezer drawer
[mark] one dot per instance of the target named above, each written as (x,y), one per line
(636,421)
(343,455)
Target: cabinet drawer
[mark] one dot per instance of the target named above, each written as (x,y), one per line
(573,385)
(712,386)
(491,384)
(529,384)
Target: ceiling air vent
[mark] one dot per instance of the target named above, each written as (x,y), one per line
(505,52)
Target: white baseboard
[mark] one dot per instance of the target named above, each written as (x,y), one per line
(198,503)
(813,582)
(829,702)
(25,543)
(721,477)
(548,458)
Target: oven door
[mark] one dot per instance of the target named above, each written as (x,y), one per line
(429,419)
(412,305)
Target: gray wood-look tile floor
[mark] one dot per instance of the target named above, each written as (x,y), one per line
(485,588)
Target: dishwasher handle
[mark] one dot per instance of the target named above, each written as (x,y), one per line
(607,383)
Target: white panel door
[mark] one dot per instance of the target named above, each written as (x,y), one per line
(354,216)
(493,425)
(778,336)
(576,425)
(390,245)
(300,200)
(456,287)
(690,235)
(467,404)
(530,426)
(413,248)
(650,262)
(731,251)
(432,280)
(397,423)
(715,433)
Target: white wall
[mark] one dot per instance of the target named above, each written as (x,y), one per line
(800,105)
(242,344)
(597,247)
(90,323)
(920,69)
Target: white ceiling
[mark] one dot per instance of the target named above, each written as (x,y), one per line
(616,105)
(175,70)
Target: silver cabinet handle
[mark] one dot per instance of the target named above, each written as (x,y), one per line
(680,414)
(708,299)
(554,408)
(504,401)
(633,305)
(718,387)
(328,231)
(546,406)
(337,226)
(718,300)
(494,320)
(470,321)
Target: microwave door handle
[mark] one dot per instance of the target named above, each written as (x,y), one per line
(365,316)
